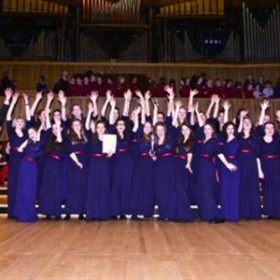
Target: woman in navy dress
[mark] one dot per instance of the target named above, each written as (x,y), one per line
(24,209)
(269,155)
(17,133)
(121,168)
(76,171)
(143,194)
(179,202)
(207,180)
(249,200)
(53,180)
(98,176)
(230,181)
(164,171)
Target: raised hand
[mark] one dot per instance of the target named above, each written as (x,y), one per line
(264,105)
(139,94)
(128,95)
(113,102)
(108,95)
(50,96)
(39,96)
(170,92)
(193,92)
(94,96)
(90,107)
(226,105)
(244,113)
(178,103)
(155,102)
(15,97)
(148,95)
(8,93)
(25,98)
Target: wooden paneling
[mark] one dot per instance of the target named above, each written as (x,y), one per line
(27,73)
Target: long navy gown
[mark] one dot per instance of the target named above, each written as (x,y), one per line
(230,181)
(269,155)
(76,179)
(143,187)
(249,200)
(207,181)
(164,178)
(24,209)
(180,207)
(52,190)
(98,182)
(121,178)
(14,163)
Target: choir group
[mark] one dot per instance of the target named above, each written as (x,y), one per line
(172,160)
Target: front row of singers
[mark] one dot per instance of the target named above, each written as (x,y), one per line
(172,163)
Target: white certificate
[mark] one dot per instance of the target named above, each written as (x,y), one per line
(109,144)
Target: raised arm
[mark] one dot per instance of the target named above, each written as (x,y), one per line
(127,100)
(210,106)
(193,93)
(88,118)
(136,119)
(93,98)
(106,103)
(226,106)
(147,103)
(216,106)
(5,106)
(63,101)
(27,107)
(113,107)
(170,97)
(12,106)
(241,119)
(178,105)
(197,114)
(48,119)
(142,103)
(155,113)
(264,106)
(50,97)
(35,104)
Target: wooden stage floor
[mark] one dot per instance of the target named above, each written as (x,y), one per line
(139,250)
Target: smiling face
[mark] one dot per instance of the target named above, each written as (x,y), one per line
(19,123)
(77,112)
(182,113)
(208,131)
(269,129)
(185,130)
(120,126)
(100,129)
(160,131)
(32,134)
(148,128)
(77,126)
(247,124)
(230,130)
(57,116)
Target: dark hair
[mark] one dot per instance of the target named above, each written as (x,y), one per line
(96,124)
(73,135)
(226,125)
(125,133)
(147,138)
(155,128)
(252,131)
(188,144)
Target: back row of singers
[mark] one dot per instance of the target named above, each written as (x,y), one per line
(172,162)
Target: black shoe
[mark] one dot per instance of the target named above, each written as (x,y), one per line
(67,217)
(58,218)
(81,217)
(122,217)
(47,218)
(217,221)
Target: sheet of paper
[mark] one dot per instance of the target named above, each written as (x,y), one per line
(109,144)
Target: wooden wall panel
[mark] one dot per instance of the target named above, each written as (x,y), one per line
(26,73)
